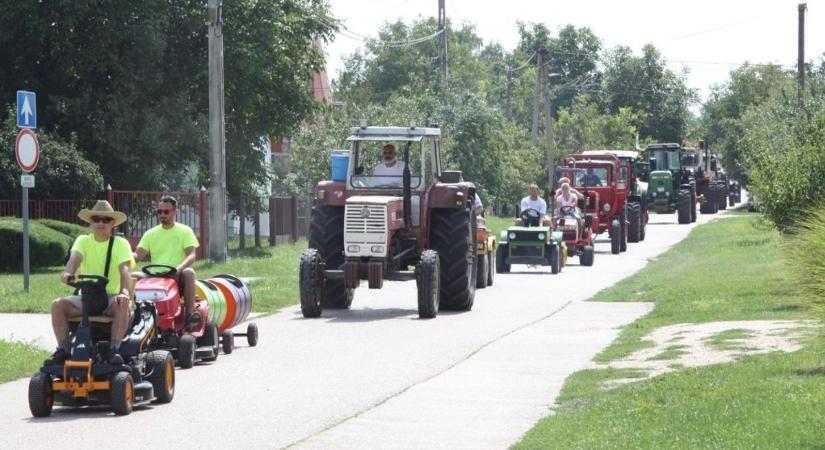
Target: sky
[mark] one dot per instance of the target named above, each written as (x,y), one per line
(709,38)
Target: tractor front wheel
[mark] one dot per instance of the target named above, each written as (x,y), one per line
(186,351)
(427,281)
(683,206)
(634,217)
(491,266)
(482,269)
(41,397)
(453,236)
(123,393)
(326,234)
(502,266)
(615,237)
(554,258)
(311,280)
(586,258)
(709,205)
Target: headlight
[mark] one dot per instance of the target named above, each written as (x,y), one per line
(149,295)
(512,235)
(541,236)
(606,207)
(377,249)
(660,189)
(353,248)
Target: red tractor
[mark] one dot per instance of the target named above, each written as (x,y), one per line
(160,288)
(603,180)
(638,172)
(391,212)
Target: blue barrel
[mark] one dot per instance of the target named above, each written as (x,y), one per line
(340,164)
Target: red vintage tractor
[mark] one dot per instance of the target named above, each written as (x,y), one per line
(604,181)
(638,172)
(373,221)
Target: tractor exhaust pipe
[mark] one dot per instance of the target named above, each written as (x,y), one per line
(406,181)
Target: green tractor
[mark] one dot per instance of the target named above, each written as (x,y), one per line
(532,244)
(671,187)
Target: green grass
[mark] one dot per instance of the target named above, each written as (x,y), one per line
(275,267)
(726,340)
(726,270)
(18,359)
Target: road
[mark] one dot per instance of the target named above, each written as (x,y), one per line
(374,376)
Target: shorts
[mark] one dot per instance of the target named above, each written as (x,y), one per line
(75,300)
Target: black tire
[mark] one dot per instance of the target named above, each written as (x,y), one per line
(227,342)
(502,266)
(732,201)
(326,234)
(554,258)
(709,205)
(453,236)
(692,205)
(312,286)
(643,227)
(623,233)
(186,351)
(122,393)
(586,258)
(41,397)
(482,270)
(723,199)
(210,338)
(427,277)
(252,334)
(161,368)
(683,206)
(615,237)
(491,266)
(634,217)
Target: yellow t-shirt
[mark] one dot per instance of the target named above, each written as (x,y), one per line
(94,258)
(166,246)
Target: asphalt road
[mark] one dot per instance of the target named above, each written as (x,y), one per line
(374,376)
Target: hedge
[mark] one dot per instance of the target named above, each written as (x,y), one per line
(70,229)
(47,247)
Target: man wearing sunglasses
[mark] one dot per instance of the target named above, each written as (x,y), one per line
(89,254)
(173,244)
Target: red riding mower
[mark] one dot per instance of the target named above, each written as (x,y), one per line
(161,288)
(577,232)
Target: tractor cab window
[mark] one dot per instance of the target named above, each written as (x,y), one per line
(380,164)
(666,160)
(591,177)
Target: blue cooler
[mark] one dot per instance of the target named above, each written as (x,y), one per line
(340,164)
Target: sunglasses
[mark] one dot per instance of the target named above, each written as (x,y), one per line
(100,219)
(164,211)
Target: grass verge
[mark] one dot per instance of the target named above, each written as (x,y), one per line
(18,359)
(726,270)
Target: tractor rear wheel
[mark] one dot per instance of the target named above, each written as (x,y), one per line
(692,204)
(623,232)
(482,268)
(683,206)
(453,236)
(311,282)
(634,216)
(586,258)
(502,266)
(554,258)
(326,234)
(427,282)
(41,397)
(709,205)
(161,366)
(723,199)
(615,237)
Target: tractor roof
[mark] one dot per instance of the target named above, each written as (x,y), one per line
(671,146)
(392,133)
(618,153)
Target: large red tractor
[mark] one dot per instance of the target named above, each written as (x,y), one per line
(414,224)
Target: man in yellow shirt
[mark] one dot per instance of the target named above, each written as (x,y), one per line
(89,254)
(173,244)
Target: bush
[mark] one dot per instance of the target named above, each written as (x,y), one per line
(806,253)
(47,247)
(70,229)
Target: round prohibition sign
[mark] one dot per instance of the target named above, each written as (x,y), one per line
(27,150)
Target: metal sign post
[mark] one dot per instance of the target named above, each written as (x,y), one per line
(25,238)
(27,151)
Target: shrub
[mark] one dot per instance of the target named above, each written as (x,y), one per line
(70,229)
(806,253)
(47,247)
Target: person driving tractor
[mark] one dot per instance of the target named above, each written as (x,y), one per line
(391,165)
(573,190)
(566,201)
(591,179)
(173,244)
(90,254)
(533,204)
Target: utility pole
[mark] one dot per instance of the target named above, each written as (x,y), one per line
(801,57)
(442,45)
(534,131)
(548,118)
(217,138)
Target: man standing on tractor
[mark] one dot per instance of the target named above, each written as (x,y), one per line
(173,244)
(535,203)
(90,254)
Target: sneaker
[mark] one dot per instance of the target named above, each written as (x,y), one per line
(58,357)
(114,358)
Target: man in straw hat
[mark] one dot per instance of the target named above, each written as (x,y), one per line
(89,254)
(173,244)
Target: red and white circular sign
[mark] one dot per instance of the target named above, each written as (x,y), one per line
(27,150)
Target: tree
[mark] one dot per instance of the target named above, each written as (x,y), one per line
(582,127)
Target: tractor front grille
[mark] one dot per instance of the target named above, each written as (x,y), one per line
(365,219)
(526,250)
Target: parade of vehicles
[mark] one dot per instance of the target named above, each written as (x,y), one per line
(531,243)
(146,374)
(703,169)
(418,225)
(607,210)
(639,171)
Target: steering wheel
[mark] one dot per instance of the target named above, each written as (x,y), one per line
(568,210)
(165,271)
(82,281)
(530,217)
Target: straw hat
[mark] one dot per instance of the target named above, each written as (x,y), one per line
(104,209)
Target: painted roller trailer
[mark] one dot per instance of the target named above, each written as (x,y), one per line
(238,304)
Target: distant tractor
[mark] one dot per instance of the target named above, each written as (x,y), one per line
(531,243)
(416,223)
(638,172)
(606,179)
(671,187)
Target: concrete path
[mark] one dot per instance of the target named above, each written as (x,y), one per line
(376,376)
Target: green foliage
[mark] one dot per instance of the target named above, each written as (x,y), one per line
(806,253)
(47,247)
(69,229)
(62,171)
(582,127)
(19,359)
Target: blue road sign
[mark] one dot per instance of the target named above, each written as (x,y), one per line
(26,109)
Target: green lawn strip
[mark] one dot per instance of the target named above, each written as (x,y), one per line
(726,270)
(671,352)
(18,359)
(729,339)
(275,270)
